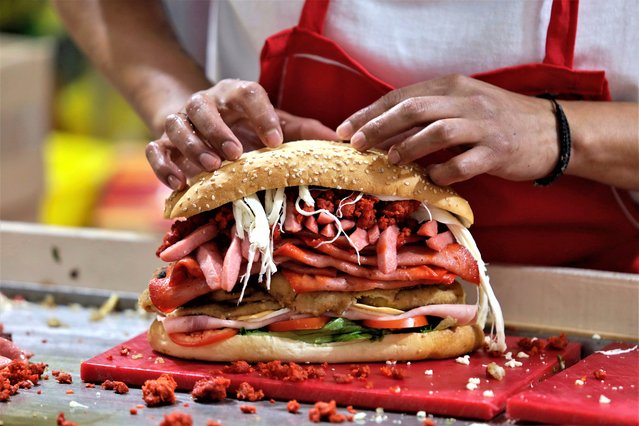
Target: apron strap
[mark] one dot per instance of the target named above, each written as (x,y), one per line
(313,15)
(562,31)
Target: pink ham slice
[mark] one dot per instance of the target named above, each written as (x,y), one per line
(329,230)
(454,257)
(464,314)
(411,273)
(231,264)
(387,250)
(290,222)
(310,223)
(428,229)
(373,234)
(192,241)
(210,261)
(347,224)
(359,237)
(440,241)
(167,297)
(324,219)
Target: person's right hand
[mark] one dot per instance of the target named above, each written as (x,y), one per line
(221,123)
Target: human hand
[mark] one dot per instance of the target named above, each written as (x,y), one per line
(499,132)
(221,123)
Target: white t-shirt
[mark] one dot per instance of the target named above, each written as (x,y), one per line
(406,41)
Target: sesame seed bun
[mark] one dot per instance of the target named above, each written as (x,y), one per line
(313,162)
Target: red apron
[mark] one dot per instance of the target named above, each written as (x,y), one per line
(574,222)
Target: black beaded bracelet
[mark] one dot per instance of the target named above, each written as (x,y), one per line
(565,144)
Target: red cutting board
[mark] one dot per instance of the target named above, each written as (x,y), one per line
(563,400)
(443,393)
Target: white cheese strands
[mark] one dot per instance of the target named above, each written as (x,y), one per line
(487,299)
(251,221)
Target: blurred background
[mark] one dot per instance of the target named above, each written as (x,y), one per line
(71,148)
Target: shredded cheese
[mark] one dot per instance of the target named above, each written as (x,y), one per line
(487,300)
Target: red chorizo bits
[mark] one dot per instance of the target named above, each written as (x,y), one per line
(160,391)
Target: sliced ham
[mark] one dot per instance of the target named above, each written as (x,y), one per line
(428,229)
(210,261)
(310,223)
(324,219)
(329,230)
(184,270)
(231,264)
(290,222)
(411,273)
(305,283)
(440,241)
(304,269)
(192,241)
(347,224)
(387,250)
(167,297)
(373,234)
(359,238)
(190,323)
(454,257)
(464,314)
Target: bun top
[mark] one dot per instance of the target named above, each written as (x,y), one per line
(318,163)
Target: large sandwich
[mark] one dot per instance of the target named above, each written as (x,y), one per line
(316,252)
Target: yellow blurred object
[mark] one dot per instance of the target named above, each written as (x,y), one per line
(76,168)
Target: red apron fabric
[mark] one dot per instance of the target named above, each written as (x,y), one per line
(573,222)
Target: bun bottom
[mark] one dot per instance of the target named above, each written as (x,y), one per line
(399,347)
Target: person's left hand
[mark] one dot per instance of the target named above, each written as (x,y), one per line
(499,132)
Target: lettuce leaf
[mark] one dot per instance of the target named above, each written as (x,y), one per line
(336,330)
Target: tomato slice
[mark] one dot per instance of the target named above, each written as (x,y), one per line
(412,322)
(312,323)
(202,337)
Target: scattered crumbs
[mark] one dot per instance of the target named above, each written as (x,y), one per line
(54,322)
(421,415)
(75,404)
(522,355)
(463,360)
(513,363)
(428,372)
(133,411)
(508,355)
(70,392)
(603,399)
(359,417)
(495,371)
(488,394)
(391,362)
(137,356)
(159,360)
(473,383)
(596,336)
(579,382)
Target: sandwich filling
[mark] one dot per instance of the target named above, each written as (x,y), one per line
(318,262)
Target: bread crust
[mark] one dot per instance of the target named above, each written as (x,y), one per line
(313,162)
(400,347)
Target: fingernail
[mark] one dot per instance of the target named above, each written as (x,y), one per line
(345,130)
(231,150)
(358,140)
(393,157)
(209,162)
(174,183)
(273,138)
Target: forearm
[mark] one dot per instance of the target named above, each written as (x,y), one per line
(133,44)
(605,141)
